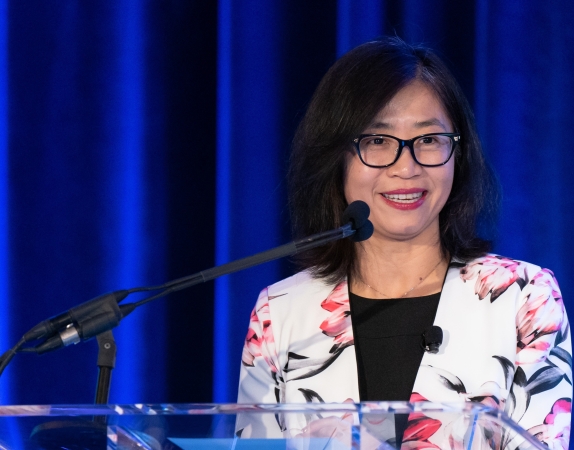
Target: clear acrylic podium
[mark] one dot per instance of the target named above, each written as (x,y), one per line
(214,426)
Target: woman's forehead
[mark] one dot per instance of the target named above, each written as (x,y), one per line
(416,106)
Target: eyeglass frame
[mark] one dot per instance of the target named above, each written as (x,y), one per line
(454,139)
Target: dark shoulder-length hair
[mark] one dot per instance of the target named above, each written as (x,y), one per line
(351,93)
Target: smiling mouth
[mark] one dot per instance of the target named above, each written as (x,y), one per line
(404,198)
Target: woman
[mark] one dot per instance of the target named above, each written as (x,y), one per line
(389,125)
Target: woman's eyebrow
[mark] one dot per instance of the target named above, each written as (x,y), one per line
(422,124)
(381,125)
(430,123)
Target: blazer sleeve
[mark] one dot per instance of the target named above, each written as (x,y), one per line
(259,375)
(541,396)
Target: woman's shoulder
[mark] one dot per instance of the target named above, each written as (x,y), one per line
(495,265)
(301,301)
(496,261)
(297,293)
(494,274)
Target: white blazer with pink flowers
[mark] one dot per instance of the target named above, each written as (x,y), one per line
(506,344)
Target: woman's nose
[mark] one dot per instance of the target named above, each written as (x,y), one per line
(406,166)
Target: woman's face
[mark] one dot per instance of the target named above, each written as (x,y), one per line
(413,111)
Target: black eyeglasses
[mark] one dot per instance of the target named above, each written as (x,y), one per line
(428,150)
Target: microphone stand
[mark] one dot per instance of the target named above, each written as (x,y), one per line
(97,317)
(81,433)
(93,434)
(106,362)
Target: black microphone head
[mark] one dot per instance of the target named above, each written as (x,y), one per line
(357,213)
(432,339)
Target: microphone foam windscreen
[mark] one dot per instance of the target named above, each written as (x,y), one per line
(434,335)
(358,213)
(363,233)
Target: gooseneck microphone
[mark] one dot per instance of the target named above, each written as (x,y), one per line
(104,313)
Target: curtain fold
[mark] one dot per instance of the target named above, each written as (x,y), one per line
(5,306)
(524,99)
(248,165)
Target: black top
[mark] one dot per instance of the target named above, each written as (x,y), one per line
(388,343)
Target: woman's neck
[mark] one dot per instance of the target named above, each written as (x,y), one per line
(395,269)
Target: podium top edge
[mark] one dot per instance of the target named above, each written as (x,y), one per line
(234,408)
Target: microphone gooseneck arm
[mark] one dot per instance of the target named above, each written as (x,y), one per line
(289,249)
(104,313)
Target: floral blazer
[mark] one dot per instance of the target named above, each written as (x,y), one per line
(506,344)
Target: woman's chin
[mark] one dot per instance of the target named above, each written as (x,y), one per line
(407,233)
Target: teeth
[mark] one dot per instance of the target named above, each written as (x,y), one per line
(404,198)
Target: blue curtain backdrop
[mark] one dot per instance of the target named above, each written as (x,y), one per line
(144,141)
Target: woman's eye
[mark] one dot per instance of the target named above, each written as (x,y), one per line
(377,141)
